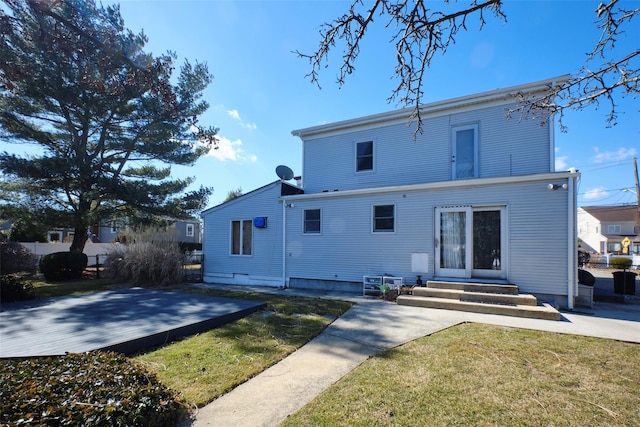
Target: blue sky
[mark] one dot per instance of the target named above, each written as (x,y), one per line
(260,94)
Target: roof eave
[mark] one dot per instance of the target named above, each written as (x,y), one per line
(504,94)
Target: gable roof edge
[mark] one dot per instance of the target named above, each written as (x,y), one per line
(492,96)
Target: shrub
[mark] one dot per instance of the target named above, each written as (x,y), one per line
(25,230)
(63,265)
(96,388)
(15,287)
(146,263)
(621,263)
(15,258)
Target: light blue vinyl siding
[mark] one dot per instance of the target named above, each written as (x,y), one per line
(347,249)
(506,148)
(266,257)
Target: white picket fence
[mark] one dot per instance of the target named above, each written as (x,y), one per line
(91,249)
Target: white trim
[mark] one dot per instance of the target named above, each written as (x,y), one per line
(242,197)
(466,183)
(505,250)
(460,273)
(469,272)
(572,243)
(241,242)
(373,219)
(454,153)
(449,106)
(614,229)
(304,222)
(242,279)
(373,157)
(283,279)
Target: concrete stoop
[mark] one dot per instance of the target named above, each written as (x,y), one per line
(479,298)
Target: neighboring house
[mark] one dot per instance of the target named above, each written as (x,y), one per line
(473,198)
(609,229)
(60,235)
(188,231)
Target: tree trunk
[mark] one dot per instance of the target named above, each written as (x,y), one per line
(79,239)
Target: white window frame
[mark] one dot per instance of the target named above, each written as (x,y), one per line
(114,227)
(241,247)
(373,219)
(191,230)
(304,222)
(454,135)
(614,229)
(373,155)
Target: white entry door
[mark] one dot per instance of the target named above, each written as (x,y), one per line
(470,242)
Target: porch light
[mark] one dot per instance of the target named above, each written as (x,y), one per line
(556,186)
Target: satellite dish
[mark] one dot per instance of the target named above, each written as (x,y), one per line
(284,172)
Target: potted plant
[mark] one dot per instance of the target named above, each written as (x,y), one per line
(624,282)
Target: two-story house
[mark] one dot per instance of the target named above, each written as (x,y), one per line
(179,230)
(609,230)
(472,198)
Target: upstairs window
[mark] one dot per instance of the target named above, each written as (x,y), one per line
(364,156)
(241,237)
(615,229)
(464,152)
(384,220)
(312,221)
(190,230)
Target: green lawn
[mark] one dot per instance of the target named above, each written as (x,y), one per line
(210,364)
(470,374)
(483,375)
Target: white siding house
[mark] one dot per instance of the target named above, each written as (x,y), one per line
(474,198)
(610,230)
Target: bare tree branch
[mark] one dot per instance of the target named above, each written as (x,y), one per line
(597,82)
(420,33)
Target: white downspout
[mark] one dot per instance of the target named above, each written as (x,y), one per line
(571,235)
(284,243)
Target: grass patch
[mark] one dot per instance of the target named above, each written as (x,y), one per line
(476,374)
(45,289)
(210,364)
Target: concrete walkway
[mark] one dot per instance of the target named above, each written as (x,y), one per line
(369,327)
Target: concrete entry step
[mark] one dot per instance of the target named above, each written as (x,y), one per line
(483,297)
(544,311)
(474,287)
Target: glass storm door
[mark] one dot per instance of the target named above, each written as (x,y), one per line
(488,241)
(452,231)
(470,242)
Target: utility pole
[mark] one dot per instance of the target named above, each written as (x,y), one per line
(635,173)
